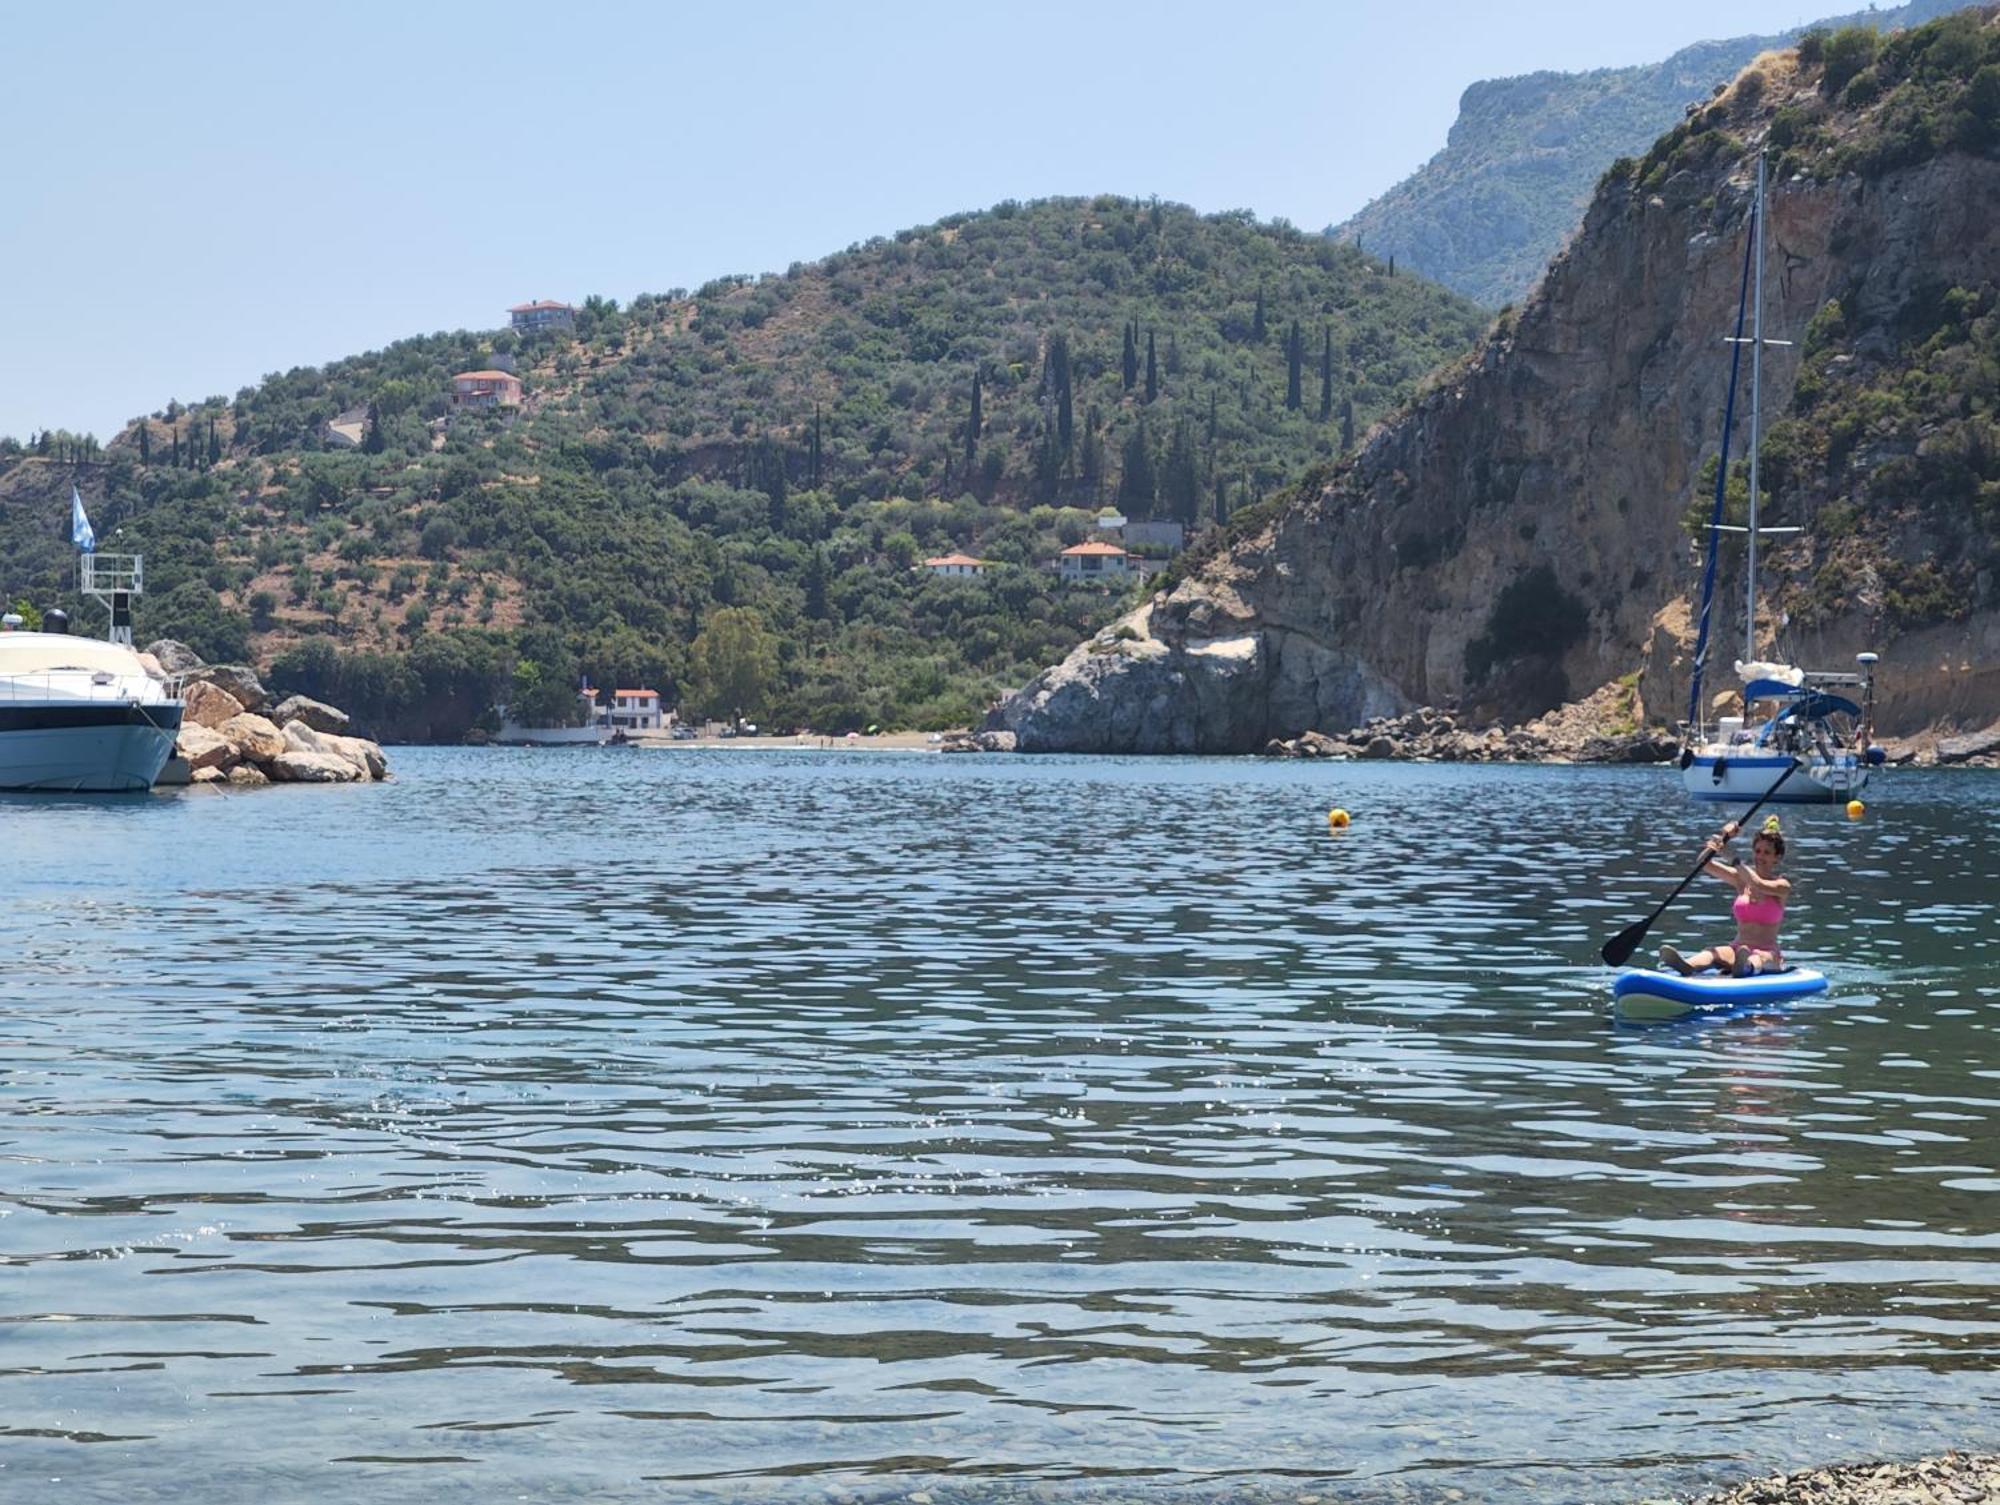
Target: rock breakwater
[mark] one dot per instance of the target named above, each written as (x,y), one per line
(232,734)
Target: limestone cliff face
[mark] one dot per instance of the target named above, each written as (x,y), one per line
(1536,493)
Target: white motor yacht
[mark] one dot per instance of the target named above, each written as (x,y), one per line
(81,716)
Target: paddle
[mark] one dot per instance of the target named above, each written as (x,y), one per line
(1618,950)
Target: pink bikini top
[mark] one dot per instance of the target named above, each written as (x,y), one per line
(1751,911)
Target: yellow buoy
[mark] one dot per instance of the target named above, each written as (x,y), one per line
(1336,820)
(1855,809)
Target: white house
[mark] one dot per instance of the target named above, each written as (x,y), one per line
(1095,561)
(635,710)
(955,564)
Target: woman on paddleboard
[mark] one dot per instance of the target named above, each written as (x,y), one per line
(1759,908)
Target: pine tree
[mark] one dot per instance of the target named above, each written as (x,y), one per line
(1131,366)
(1294,359)
(1326,377)
(1152,370)
(371,434)
(1137,485)
(972,428)
(1257,320)
(145,443)
(1347,425)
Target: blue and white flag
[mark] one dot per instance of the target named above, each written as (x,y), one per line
(80,532)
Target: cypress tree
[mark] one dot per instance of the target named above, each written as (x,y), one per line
(1131,357)
(972,427)
(1211,422)
(177,447)
(1137,485)
(1257,320)
(1090,466)
(1221,501)
(1392,263)
(214,444)
(1173,355)
(1065,409)
(1294,358)
(1152,370)
(145,443)
(1326,377)
(815,582)
(813,457)
(1180,481)
(371,437)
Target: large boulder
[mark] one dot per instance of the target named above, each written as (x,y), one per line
(291,767)
(203,747)
(239,680)
(248,776)
(256,740)
(316,714)
(174,656)
(365,757)
(208,704)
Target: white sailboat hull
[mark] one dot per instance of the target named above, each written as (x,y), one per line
(1748,775)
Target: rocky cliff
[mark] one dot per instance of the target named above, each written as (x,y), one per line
(1517,536)
(1487,212)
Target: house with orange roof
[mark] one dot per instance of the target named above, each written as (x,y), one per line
(955,564)
(636,711)
(486,389)
(543,313)
(1094,561)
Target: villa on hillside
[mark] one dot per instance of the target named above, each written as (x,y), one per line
(955,564)
(347,430)
(543,313)
(486,389)
(635,711)
(1095,561)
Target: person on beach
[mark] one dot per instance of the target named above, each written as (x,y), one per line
(1761,896)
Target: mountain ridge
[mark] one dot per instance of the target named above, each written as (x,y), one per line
(1485,214)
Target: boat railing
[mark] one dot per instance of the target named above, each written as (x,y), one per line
(80,684)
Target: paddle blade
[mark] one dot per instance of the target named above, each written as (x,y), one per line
(1618,950)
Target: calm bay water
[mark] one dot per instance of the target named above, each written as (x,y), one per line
(667,1125)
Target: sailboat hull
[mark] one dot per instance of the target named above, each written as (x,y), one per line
(1720,777)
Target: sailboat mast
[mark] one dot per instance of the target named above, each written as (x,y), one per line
(1756,374)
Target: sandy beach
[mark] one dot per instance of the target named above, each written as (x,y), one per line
(880,742)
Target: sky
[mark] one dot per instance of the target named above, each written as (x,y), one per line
(203,193)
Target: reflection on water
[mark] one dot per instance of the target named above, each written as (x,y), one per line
(647,1125)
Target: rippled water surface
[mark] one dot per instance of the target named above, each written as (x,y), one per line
(682,1126)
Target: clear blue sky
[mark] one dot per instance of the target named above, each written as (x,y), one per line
(202,193)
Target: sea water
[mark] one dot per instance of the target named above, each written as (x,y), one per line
(636,1124)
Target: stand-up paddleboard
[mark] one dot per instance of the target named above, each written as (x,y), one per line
(1649,994)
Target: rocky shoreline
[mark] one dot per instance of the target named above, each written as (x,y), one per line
(1951,1478)
(231,733)
(1433,736)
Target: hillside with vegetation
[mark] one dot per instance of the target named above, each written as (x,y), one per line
(725,494)
(1485,215)
(1529,530)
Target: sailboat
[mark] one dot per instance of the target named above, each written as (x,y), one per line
(1788,715)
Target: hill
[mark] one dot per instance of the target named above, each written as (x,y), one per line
(1485,215)
(784,446)
(1520,535)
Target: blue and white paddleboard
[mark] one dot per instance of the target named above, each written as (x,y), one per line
(1645,993)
